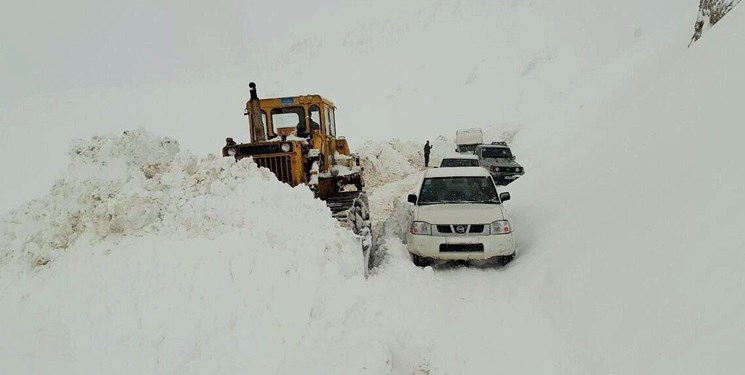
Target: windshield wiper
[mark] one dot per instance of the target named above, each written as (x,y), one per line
(473,202)
(488,201)
(459,202)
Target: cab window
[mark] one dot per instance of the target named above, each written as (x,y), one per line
(330,122)
(288,117)
(263,122)
(315,118)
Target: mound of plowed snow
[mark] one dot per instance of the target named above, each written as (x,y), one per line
(137,244)
(139,183)
(393,160)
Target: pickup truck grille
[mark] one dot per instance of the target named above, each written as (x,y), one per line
(460,228)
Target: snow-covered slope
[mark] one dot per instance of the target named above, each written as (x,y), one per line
(632,228)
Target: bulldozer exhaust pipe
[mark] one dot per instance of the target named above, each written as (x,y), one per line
(252,89)
(254,115)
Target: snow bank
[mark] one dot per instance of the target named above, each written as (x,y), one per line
(630,219)
(392,160)
(149,260)
(139,183)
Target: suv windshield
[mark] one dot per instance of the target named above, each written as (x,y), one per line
(458,190)
(496,152)
(459,163)
(467,148)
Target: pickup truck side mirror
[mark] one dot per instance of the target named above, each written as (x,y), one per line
(411,198)
(504,196)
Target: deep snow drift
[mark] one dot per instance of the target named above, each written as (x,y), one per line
(145,259)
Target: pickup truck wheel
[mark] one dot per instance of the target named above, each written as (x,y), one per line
(506,259)
(419,261)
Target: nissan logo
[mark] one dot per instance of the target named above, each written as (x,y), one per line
(460,229)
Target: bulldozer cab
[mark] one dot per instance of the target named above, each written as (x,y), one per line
(298,116)
(308,117)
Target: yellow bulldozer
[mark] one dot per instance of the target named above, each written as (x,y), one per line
(295,137)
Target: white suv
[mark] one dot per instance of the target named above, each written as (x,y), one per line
(458,215)
(460,160)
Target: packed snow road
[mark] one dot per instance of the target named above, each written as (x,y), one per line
(454,318)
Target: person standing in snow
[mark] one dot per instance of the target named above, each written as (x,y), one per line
(427,147)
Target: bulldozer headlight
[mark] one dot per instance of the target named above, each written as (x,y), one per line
(232,151)
(286,147)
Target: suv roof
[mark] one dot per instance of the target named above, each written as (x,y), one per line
(461,156)
(457,172)
(493,146)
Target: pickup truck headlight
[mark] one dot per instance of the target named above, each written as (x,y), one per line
(421,227)
(500,227)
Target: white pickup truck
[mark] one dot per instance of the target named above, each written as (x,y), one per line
(458,215)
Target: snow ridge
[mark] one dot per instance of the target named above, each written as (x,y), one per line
(138,183)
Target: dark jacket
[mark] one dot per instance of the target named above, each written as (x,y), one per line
(427,147)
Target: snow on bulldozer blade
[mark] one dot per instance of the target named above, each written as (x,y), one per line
(351,209)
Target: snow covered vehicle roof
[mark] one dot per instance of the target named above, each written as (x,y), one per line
(456,172)
(461,156)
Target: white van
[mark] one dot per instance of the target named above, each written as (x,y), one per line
(458,215)
(467,139)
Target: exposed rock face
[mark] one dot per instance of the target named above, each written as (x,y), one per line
(709,13)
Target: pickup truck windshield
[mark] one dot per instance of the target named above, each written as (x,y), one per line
(441,190)
(459,163)
(496,152)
